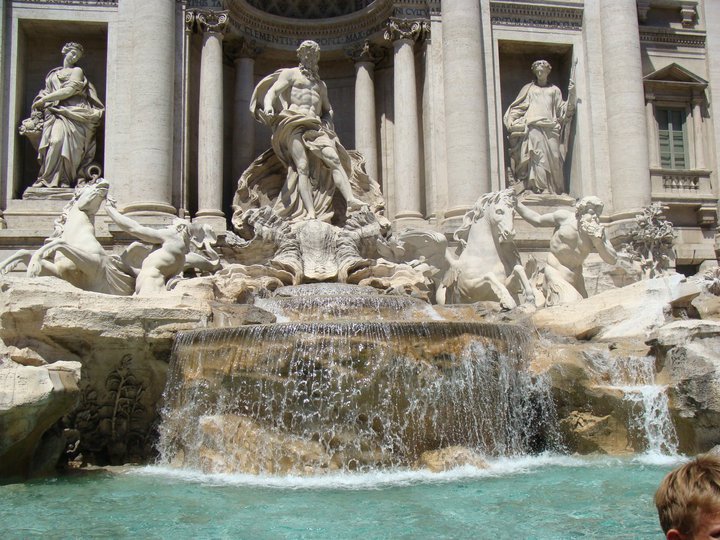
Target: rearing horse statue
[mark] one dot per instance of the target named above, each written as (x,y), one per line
(72,252)
(489,266)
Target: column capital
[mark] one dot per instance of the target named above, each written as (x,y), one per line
(241,48)
(212,21)
(367,52)
(190,18)
(410,29)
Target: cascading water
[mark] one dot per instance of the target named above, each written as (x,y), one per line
(300,397)
(649,407)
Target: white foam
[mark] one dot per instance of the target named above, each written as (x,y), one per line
(382,479)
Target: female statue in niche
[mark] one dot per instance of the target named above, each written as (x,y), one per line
(65,117)
(538,124)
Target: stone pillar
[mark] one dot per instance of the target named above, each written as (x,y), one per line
(653,145)
(712,20)
(403,33)
(210,120)
(183,211)
(365,59)
(147,188)
(243,53)
(697,103)
(625,102)
(466,124)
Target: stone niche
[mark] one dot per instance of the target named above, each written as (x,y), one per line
(40,43)
(515,59)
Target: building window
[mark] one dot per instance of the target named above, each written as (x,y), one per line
(672,138)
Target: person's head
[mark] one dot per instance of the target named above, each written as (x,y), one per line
(73,51)
(541,69)
(688,500)
(309,53)
(590,206)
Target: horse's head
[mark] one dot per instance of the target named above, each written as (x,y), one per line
(89,197)
(500,213)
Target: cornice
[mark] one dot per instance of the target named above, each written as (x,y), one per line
(671,37)
(537,15)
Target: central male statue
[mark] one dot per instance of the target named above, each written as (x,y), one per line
(294,103)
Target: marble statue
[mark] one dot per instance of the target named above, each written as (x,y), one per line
(574,238)
(294,103)
(66,114)
(488,267)
(73,253)
(155,266)
(538,129)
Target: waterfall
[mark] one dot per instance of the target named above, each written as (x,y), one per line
(648,402)
(312,397)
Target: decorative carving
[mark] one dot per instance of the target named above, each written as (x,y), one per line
(62,126)
(576,235)
(643,7)
(536,15)
(688,12)
(288,33)
(367,52)
(241,48)
(302,9)
(212,21)
(538,125)
(114,428)
(412,29)
(488,266)
(190,19)
(651,241)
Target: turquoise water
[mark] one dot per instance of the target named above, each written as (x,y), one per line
(539,497)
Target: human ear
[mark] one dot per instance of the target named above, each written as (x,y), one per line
(674,534)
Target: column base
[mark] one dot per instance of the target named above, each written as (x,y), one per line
(151,213)
(457,211)
(213,218)
(406,220)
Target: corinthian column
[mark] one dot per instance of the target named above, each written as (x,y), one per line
(625,102)
(466,115)
(210,119)
(146,188)
(365,59)
(403,33)
(243,54)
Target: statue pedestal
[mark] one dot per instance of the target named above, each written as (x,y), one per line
(48,194)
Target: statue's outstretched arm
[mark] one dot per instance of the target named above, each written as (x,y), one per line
(535,219)
(141,232)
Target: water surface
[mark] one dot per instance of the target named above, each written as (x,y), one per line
(541,497)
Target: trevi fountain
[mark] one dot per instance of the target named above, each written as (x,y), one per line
(314,355)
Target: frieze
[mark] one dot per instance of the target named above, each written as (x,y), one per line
(669,37)
(535,15)
(264,28)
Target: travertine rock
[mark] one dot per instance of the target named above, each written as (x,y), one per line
(688,359)
(586,433)
(32,399)
(633,311)
(449,458)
